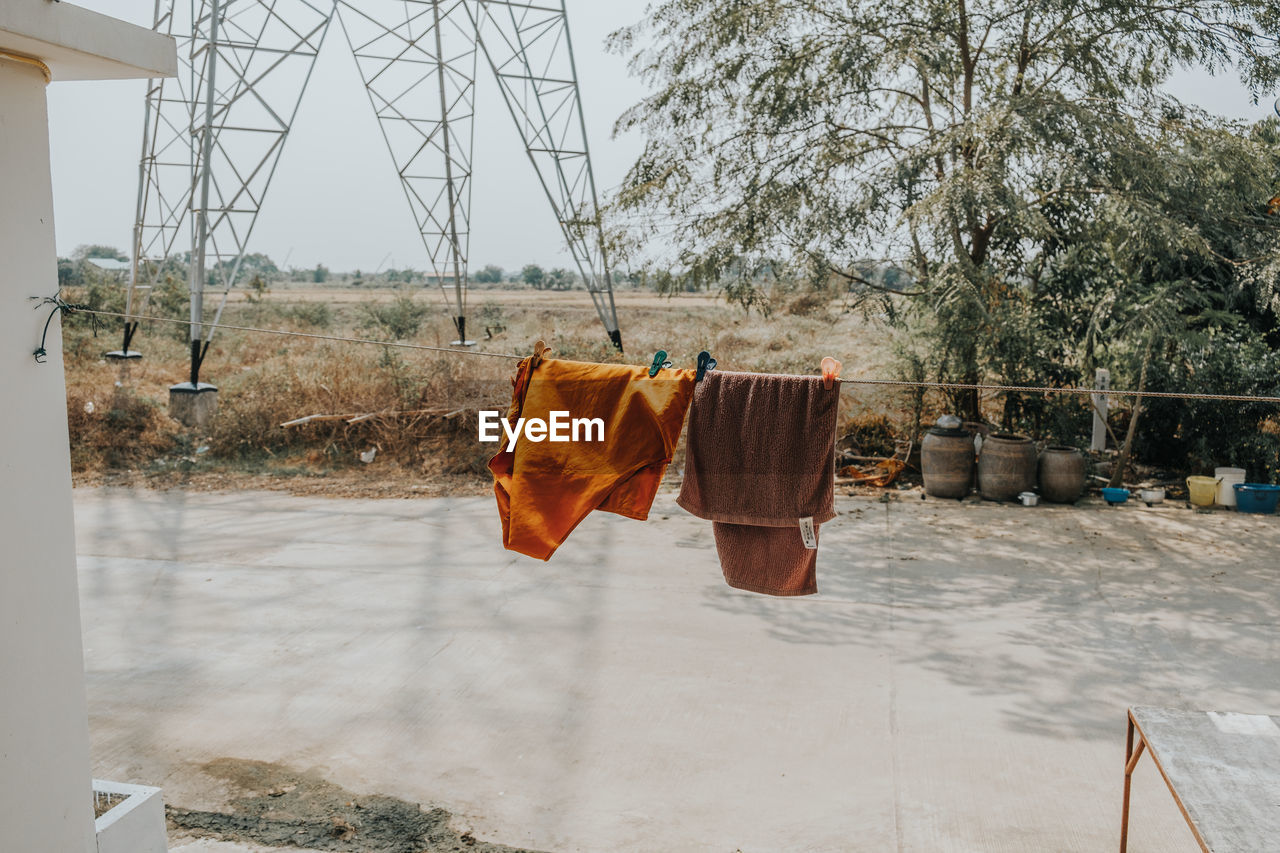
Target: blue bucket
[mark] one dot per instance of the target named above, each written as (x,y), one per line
(1257,498)
(1115,497)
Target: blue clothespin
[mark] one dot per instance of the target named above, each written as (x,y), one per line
(659,362)
(705,363)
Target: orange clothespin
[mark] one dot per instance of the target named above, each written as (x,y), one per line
(830,371)
(540,351)
(521,380)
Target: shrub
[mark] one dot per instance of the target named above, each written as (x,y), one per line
(121,431)
(171,298)
(493,318)
(399,319)
(869,435)
(316,315)
(809,303)
(1201,435)
(334,380)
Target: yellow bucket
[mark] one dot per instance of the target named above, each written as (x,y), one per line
(1203,490)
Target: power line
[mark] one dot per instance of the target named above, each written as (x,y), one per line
(890,383)
(312,335)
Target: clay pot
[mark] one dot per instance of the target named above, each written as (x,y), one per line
(1062,474)
(1007,467)
(946,461)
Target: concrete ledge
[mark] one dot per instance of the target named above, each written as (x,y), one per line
(78,44)
(135,825)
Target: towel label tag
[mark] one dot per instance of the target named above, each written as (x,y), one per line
(807,533)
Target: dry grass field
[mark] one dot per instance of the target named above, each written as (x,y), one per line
(121,432)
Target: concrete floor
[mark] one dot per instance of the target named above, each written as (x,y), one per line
(960,683)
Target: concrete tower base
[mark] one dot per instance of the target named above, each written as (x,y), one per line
(193,405)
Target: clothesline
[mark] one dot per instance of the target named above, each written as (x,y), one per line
(891,383)
(1048,389)
(766,490)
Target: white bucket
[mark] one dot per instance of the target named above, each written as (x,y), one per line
(1227,477)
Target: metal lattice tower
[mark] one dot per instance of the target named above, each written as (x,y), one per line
(418,64)
(214,136)
(528,49)
(212,139)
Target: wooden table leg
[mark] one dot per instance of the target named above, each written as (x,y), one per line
(1131,756)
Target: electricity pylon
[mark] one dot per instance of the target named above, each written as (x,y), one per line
(527,48)
(214,135)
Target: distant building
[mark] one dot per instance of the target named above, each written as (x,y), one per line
(113,267)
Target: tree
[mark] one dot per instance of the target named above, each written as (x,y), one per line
(97,250)
(68,275)
(100,289)
(560,279)
(320,274)
(1186,295)
(256,263)
(961,142)
(489,275)
(533,275)
(256,289)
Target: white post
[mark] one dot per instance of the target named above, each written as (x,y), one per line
(46,799)
(1101,403)
(45,792)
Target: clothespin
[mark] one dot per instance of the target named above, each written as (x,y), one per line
(830,371)
(705,363)
(659,362)
(540,351)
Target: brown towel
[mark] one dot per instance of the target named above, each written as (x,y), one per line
(760,457)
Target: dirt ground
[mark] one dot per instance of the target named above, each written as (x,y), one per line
(370,483)
(383,482)
(277,806)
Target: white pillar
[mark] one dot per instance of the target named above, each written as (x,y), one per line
(1101,405)
(45,788)
(46,801)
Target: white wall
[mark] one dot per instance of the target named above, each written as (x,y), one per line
(45,791)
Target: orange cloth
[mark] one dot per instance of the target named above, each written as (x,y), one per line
(545,488)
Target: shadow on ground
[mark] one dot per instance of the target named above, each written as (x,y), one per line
(1062,613)
(276,806)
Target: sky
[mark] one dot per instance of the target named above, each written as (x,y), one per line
(336,199)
